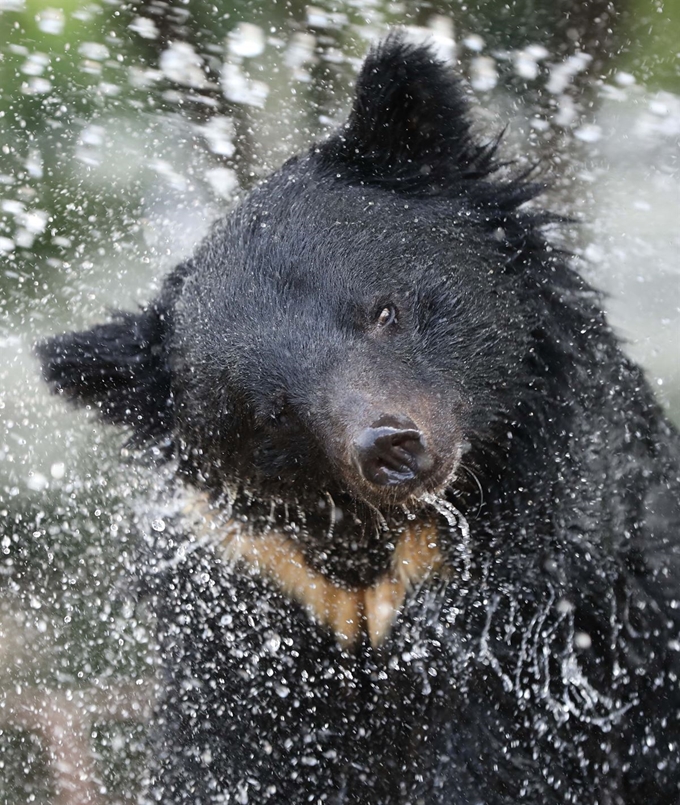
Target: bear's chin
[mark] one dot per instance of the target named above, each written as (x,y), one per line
(309,495)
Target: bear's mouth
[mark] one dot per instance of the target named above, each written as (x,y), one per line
(384,469)
(402,482)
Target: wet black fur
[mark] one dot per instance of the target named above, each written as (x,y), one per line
(551,674)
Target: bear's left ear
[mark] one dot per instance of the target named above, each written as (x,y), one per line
(408,129)
(119,368)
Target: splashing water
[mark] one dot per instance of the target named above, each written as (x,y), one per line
(457,522)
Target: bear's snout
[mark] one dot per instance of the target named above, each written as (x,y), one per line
(391,452)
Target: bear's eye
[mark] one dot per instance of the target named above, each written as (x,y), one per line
(386,316)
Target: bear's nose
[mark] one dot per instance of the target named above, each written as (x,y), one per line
(392,451)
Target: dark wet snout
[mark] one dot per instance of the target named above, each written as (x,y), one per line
(391,452)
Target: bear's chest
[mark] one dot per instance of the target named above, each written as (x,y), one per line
(259,683)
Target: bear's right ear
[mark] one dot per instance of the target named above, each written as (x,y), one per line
(120,368)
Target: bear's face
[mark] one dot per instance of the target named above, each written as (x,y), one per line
(368,324)
(332,337)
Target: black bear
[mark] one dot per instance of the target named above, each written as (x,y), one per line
(429,549)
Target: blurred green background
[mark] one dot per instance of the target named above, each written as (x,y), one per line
(125,130)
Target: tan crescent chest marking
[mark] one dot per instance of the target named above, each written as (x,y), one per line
(347,612)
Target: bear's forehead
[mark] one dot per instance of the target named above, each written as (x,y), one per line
(352,239)
(263,260)
(316,246)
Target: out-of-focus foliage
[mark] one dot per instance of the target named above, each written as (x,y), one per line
(125,130)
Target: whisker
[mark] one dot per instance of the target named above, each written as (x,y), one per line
(473,475)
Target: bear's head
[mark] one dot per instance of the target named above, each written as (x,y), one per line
(375,318)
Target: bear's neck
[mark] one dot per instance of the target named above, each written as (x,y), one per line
(349,611)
